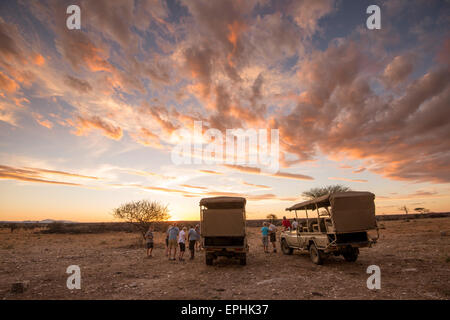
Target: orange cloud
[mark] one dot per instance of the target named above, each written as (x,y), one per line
(398,70)
(252,197)
(419,194)
(86,123)
(210,172)
(39,60)
(392,130)
(194,187)
(346,179)
(7,84)
(43,122)
(147,138)
(235,29)
(147,173)
(153,188)
(253,170)
(62,173)
(256,185)
(19,101)
(36,175)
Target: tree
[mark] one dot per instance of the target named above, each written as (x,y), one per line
(142,213)
(314,193)
(405,208)
(421,210)
(272,217)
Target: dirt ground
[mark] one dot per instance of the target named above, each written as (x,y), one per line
(414,258)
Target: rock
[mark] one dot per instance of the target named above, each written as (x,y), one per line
(318,294)
(409,270)
(264,282)
(20,286)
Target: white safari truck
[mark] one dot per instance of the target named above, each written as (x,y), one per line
(337,224)
(223,228)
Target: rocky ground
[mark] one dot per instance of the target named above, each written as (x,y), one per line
(414,258)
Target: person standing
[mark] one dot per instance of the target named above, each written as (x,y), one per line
(149,240)
(198,244)
(167,240)
(273,236)
(294,224)
(182,243)
(173,235)
(193,237)
(265,237)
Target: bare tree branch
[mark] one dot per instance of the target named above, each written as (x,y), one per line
(142,213)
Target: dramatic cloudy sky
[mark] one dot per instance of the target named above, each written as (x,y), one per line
(88,118)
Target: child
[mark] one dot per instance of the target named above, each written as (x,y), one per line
(182,243)
(265,237)
(149,239)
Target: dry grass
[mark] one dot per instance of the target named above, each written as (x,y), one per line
(413,257)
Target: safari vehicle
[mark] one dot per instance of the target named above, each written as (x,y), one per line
(223,228)
(340,228)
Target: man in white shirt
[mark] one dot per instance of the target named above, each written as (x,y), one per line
(294,224)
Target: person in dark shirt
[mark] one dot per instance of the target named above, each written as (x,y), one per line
(193,237)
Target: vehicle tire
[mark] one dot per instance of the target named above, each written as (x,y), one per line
(243,260)
(351,255)
(315,254)
(209,260)
(285,248)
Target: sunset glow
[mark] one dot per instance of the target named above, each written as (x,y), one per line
(89,117)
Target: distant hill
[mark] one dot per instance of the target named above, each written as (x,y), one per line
(65,226)
(45,221)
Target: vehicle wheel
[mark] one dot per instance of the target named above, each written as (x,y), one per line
(315,254)
(209,260)
(285,248)
(243,260)
(351,255)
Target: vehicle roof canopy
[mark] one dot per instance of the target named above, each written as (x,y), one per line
(223,202)
(328,199)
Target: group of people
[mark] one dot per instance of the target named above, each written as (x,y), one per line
(269,232)
(177,237)
(287,224)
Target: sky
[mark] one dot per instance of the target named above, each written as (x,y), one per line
(90,118)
